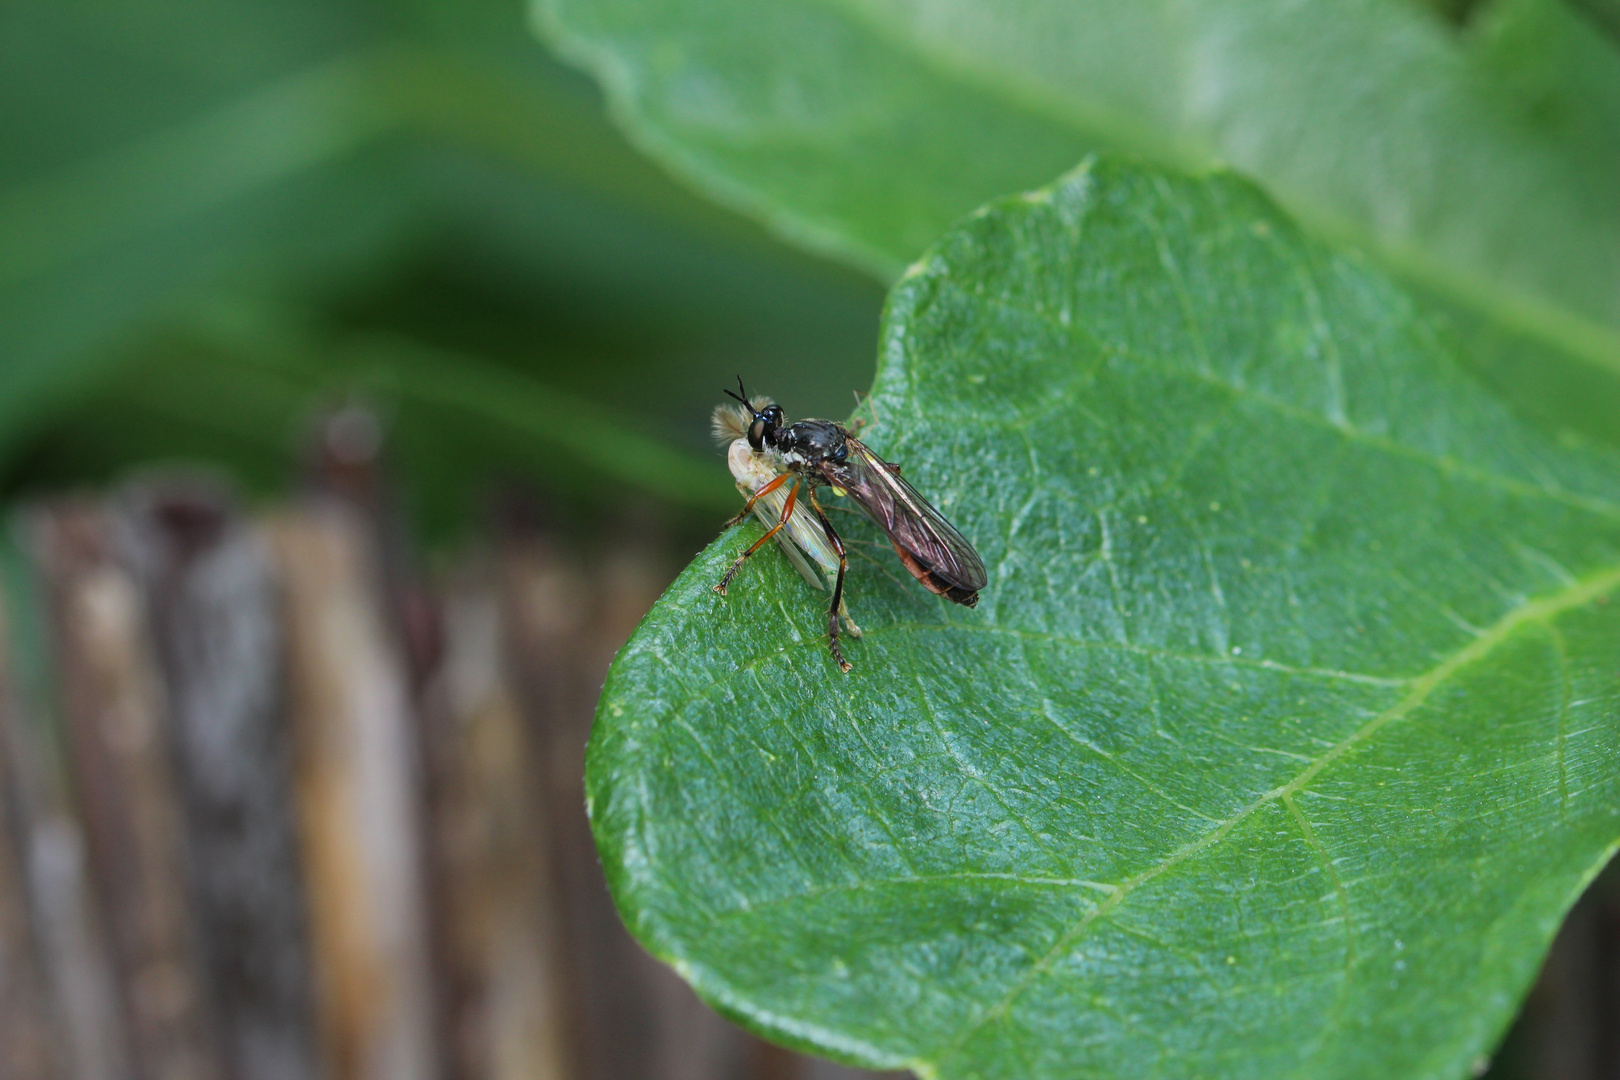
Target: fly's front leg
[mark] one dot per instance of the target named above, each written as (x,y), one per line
(787,512)
(837,606)
(858,423)
(748,507)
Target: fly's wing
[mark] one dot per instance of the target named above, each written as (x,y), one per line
(936,554)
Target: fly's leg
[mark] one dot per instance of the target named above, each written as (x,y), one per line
(748,507)
(856,424)
(787,512)
(837,606)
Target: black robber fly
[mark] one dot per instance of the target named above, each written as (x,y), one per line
(822,453)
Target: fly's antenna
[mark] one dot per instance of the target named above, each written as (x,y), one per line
(741,395)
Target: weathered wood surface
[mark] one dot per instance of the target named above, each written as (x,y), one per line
(28,1049)
(114,712)
(318,815)
(565,617)
(213,611)
(509,1005)
(358,792)
(76,973)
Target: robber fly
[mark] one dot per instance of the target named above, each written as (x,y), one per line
(770,460)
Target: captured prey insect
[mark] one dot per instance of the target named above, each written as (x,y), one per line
(770,459)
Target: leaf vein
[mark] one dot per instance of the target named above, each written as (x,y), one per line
(1593,504)
(1216,659)
(1534,612)
(1342,996)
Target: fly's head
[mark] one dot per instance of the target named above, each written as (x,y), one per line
(765,419)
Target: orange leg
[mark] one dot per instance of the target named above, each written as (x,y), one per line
(787,512)
(742,515)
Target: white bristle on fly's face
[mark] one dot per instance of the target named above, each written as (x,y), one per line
(730,420)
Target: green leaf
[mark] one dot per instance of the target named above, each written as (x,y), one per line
(1604,13)
(801,114)
(1482,164)
(1281,739)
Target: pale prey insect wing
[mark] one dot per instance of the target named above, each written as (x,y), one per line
(802,538)
(802,535)
(933,551)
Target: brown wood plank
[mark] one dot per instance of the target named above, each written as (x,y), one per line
(501,934)
(29,1044)
(214,615)
(112,703)
(565,618)
(358,793)
(75,959)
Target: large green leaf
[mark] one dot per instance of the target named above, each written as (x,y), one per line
(1482,163)
(1280,741)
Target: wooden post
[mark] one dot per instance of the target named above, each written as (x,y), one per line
(112,702)
(30,1049)
(214,616)
(501,932)
(359,800)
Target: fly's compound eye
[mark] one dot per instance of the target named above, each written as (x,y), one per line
(766,422)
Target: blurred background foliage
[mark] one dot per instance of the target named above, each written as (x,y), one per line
(218,217)
(1470,147)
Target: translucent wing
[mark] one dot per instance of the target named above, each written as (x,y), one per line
(930,547)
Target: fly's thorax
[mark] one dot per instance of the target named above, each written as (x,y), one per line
(810,442)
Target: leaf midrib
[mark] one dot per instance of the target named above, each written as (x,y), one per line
(1542,611)
(1212,659)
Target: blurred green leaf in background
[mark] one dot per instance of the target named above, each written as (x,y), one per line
(1477,157)
(1481,163)
(215,217)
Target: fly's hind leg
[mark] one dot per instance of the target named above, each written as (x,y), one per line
(787,512)
(837,607)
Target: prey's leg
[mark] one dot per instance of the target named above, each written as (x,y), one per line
(849,623)
(858,423)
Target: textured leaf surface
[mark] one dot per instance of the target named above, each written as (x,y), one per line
(1482,162)
(1283,735)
